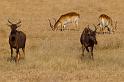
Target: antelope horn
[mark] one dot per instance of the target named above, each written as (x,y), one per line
(18,22)
(115,25)
(9,21)
(95,27)
(54,20)
(50,24)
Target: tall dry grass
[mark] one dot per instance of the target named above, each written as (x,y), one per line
(55,56)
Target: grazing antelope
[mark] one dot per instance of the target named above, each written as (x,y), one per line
(65,19)
(88,39)
(106,22)
(17,40)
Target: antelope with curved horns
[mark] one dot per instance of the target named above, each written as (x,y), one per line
(106,22)
(88,40)
(17,40)
(71,17)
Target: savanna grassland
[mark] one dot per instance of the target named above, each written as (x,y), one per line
(55,56)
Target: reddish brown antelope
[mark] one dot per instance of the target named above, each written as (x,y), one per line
(17,40)
(65,19)
(106,22)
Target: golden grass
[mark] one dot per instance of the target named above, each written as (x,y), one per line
(55,56)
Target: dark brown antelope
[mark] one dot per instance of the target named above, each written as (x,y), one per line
(17,40)
(65,19)
(88,39)
(106,22)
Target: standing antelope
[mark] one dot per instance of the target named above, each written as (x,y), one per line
(88,39)
(17,40)
(106,22)
(65,19)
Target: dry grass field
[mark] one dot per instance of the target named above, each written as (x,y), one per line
(55,56)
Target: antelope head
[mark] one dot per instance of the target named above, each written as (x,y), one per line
(14,26)
(55,24)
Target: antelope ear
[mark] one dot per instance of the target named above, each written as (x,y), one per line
(8,25)
(18,25)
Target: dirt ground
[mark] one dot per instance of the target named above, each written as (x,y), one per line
(55,56)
